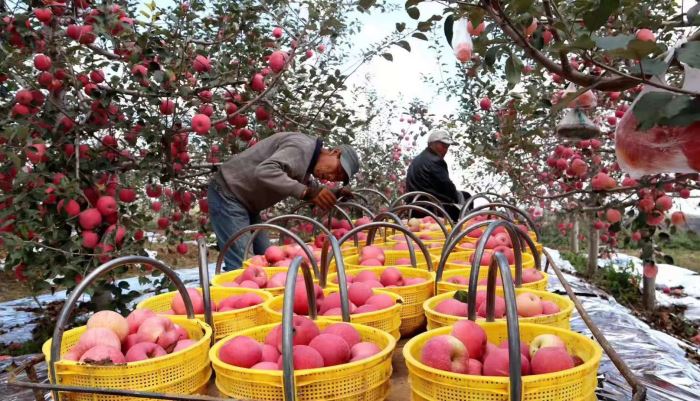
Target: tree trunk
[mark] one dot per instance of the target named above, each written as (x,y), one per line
(592,247)
(574,234)
(649,292)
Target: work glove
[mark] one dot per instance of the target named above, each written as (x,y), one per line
(320,196)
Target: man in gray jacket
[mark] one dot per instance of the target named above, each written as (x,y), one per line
(272,170)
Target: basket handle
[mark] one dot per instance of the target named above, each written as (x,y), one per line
(383,216)
(523,236)
(499,262)
(528,220)
(265,226)
(373,191)
(511,229)
(378,224)
(90,279)
(409,208)
(477,256)
(203,259)
(287,321)
(325,260)
(416,195)
(481,195)
(438,207)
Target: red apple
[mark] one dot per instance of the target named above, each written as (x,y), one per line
(137,317)
(366,275)
(304,357)
(549,308)
(550,360)
(305,330)
(496,363)
(106,205)
(89,219)
(256,274)
(545,340)
(178,303)
(241,351)
(110,320)
(529,304)
(445,352)
(391,277)
(345,331)
(332,348)
(363,350)
(359,293)
(183,344)
(472,336)
(103,355)
(143,351)
(452,307)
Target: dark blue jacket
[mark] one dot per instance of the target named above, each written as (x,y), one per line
(428,173)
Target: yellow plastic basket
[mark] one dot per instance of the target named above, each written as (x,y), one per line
(226,322)
(221,279)
(444,286)
(412,314)
(183,372)
(388,319)
(577,384)
(364,380)
(468,246)
(560,319)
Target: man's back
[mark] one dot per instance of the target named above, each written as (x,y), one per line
(254,176)
(428,173)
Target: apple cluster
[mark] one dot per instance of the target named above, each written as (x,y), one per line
(389,277)
(313,348)
(466,350)
(528,305)
(111,339)
(233,302)
(529,276)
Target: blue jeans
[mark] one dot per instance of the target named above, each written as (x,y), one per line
(228,216)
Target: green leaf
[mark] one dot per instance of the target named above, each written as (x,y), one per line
(612,42)
(420,35)
(461,296)
(689,53)
(513,70)
(403,44)
(424,26)
(400,26)
(411,3)
(642,48)
(521,6)
(649,107)
(388,56)
(650,67)
(413,12)
(490,56)
(449,22)
(596,18)
(583,42)
(366,4)
(476,16)
(668,259)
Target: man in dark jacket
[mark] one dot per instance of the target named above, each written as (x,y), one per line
(428,173)
(274,169)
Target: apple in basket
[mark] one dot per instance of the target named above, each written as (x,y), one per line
(337,344)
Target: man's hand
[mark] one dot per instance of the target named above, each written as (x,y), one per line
(320,196)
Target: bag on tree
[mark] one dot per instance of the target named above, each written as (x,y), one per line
(461,40)
(576,125)
(660,149)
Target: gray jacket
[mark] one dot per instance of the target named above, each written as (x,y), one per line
(272,170)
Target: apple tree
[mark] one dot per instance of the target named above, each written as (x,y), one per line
(114,114)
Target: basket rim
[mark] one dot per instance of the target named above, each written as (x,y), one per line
(229,313)
(216,362)
(562,312)
(267,308)
(597,354)
(206,337)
